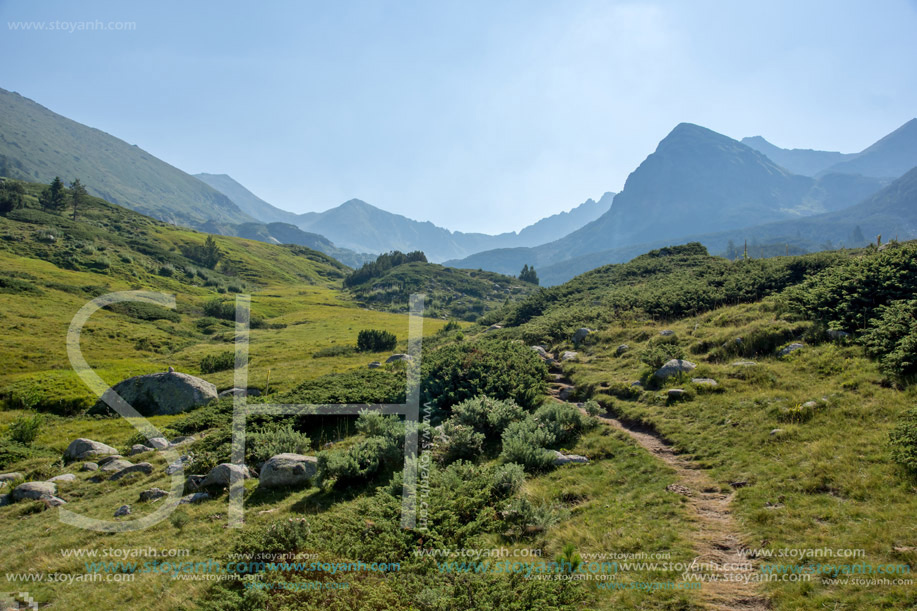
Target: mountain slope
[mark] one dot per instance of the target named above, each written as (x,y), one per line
(891,156)
(37,145)
(247,201)
(806,162)
(558,225)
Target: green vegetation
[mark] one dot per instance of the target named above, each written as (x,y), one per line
(463,294)
(528,274)
(374,340)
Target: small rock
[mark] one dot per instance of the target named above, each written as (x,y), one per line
(139,448)
(152,494)
(791,348)
(52,501)
(239,392)
(104,461)
(65,477)
(569,355)
(9,477)
(776,431)
(179,464)
(565,459)
(566,392)
(178,441)
(673,368)
(197,497)
(637,383)
(676,393)
(123,510)
(89,466)
(704,381)
(141,467)
(667,333)
(739,341)
(34,490)
(375,365)
(740,484)
(82,448)
(810,404)
(837,334)
(744,364)
(221,475)
(113,466)
(399,357)
(160,443)
(493,328)
(288,469)
(621,349)
(581,334)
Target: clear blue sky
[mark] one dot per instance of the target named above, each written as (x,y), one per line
(476,115)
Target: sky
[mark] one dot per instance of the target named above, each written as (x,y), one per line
(477,115)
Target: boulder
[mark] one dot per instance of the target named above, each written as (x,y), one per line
(621,349)
(776,431)
(285,470)
(673,368)
(566,392)
(541,351)
(791,348)
(139,448)
(113,466)
(89,466)
(34,490)
(178,441)
(179,464)
(493,328)
(152,494)
(193,482)
(667,333)
(65,477)
(399,357)
(123,510)
(566,459)
(162,393)
(159,443)
(704,382)
(569,355)
(141,467)
(375,365)
(581,334)
(676,393)
(221,474)
(83,448)
(196,497)
(9,477)
(5,499)
(837,334)
(53,501)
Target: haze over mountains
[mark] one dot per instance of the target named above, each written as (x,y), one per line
(697,184)
(700,183)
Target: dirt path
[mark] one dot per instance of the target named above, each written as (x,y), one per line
(716,538)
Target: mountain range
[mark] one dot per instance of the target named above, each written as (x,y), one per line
(701,183)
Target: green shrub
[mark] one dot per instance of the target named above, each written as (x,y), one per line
(593,408)
(459,442)
(359,463)
(218,362)
(496,368)
(564,422)
(658,353)
(524,442)
(487,416)
(25,429)
(903,440)
(523,518)
(893,339)
(508,479)
(142,310)
(272,439)
(374,340)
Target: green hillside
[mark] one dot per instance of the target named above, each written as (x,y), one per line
(451,293)
(37,144)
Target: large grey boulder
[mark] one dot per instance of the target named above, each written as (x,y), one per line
(113,466)
(34,490)
(82,448)
(569,355)
(673,368)
(65,477)
(581,334)
(221,474)
(285,470)
(162,393)
(791,348)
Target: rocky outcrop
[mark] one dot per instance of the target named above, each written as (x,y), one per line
(221,474)
(82,448)
(34,491)
(162,393)
(286,470)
